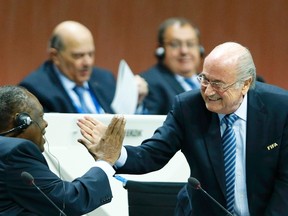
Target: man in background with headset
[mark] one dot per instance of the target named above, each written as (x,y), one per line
(22,130)
(179,55)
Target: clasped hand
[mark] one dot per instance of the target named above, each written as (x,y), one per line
(102,142)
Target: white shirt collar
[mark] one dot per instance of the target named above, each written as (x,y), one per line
(66,82)
(241,112)
(182,82)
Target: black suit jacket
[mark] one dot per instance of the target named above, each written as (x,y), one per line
(81,196)
(194,130)
(46,86)
(163,87)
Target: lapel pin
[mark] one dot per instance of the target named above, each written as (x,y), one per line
(272,146)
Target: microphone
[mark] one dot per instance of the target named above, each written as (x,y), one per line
(29,180)
(197,186)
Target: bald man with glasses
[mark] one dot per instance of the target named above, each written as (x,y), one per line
(234,135)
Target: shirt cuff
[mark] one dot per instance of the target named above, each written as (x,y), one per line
(107,168)
(122,159)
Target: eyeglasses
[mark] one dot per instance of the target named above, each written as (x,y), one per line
(177,44)
(216,86)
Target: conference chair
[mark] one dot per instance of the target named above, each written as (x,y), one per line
(152,198)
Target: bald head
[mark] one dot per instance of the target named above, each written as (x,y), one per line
(69,32)
(227,53)
(233,55)
(72,51)
(228,74)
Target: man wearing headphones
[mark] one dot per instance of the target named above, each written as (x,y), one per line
(22,130)
(179,55)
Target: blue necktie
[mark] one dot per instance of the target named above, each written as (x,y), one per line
(190,83)
(79,90)
(229,150)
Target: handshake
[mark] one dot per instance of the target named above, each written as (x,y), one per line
(102,142)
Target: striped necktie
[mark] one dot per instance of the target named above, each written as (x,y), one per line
(229,150)
(79,90)
(190,83)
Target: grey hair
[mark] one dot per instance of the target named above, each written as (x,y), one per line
(56,42)
(246,67)
(13,100)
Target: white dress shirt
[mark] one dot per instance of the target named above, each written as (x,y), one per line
(69,85)
(239,127)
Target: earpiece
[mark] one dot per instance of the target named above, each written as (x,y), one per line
(22,121)
(160,52)
(202,51)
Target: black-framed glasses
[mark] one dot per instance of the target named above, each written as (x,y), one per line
(216,86)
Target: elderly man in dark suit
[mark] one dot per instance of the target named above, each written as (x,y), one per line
(68,82)
(22,142)
(233,133)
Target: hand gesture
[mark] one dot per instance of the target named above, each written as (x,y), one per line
(102,142)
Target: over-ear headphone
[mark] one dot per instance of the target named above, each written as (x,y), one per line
(22,121)
(160,52)
(202,51)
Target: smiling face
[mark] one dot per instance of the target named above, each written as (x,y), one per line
(182,51)
(221,66)
(36,131)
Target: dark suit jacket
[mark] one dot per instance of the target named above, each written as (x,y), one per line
(162,89)
(194,130)
(46,86)
(81,196)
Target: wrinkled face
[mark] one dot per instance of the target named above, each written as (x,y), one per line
(227,99)
(76,59)
(36,131)
(182,53)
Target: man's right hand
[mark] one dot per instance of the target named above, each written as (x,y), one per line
(102,142)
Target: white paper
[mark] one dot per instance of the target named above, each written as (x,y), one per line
(126,95)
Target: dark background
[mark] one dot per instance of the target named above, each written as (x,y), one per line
(127,29)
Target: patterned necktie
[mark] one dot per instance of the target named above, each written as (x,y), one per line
(229,150)
(79,90)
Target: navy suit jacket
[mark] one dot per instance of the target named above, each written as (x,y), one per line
(81,196)
(194,130)
(46,86)
(163,87)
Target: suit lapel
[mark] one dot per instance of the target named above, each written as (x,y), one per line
(255,136)
(213,140)
(60,88)
(171,80)
(94,86)
(256,118)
